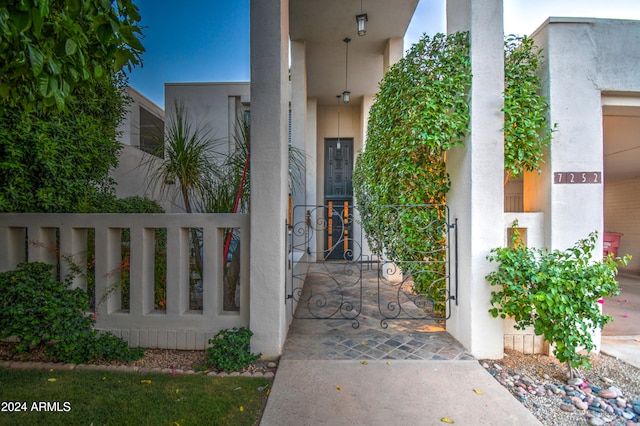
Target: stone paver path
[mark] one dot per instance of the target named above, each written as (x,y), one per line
(337,339)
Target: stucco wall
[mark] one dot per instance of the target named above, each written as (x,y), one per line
(584,58)
(476,198)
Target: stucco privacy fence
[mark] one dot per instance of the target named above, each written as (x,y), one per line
(51,237)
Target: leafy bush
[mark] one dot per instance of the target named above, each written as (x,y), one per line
(556,292)
(40,310)
(137,204)
(53,49)
(230,350)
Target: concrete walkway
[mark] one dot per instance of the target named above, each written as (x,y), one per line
(410,373)
(405,392)
(621,338)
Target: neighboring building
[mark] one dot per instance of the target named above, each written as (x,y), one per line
(142,124)
(215,106)
(140,133)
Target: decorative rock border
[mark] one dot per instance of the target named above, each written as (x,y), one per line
(600,405)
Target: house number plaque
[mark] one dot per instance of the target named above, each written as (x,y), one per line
(577,177)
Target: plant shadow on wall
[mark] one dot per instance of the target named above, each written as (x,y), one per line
(210,175)
(420,112)
(557,292)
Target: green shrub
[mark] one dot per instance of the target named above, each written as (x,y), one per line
(556,292)
(230,350)
(41,311)
(137,204)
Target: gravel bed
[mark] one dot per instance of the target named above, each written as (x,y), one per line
(606,394)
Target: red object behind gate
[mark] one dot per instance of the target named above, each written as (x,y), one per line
(611,243)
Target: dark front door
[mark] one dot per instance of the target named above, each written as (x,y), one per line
(338,196)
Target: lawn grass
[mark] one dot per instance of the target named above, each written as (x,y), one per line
(117,398)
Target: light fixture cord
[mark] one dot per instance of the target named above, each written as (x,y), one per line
(346,65)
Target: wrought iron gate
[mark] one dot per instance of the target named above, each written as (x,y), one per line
(336,279)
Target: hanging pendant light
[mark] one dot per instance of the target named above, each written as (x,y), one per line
(346,94)
(361,22)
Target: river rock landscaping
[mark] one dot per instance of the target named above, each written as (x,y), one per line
(606,394)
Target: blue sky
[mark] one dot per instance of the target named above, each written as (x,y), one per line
(208,40)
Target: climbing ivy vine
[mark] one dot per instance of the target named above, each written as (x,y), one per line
(421,110)
(526,129)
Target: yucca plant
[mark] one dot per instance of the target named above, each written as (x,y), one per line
(230,192)
(192,164)
(186,164)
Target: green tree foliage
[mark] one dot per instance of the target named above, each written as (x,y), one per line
(54,161)
(62,100)
(526,130)
(556,292)
(50,48)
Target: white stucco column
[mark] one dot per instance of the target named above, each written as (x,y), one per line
(299,121)
(392,52)
(476,170)
(269,122)
(311,149)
